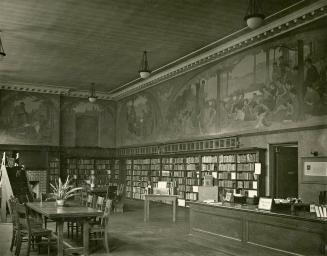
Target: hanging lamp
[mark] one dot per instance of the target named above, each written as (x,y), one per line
(254,16)
(144,70)
(92,98)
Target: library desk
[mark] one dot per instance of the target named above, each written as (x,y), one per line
(148,198)
(244,230)
(67,213)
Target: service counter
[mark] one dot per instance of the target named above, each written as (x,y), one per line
(245,230)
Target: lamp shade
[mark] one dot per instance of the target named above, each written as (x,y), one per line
(144,70)
(254,22)
(92,99)
(144,74)
(254,16)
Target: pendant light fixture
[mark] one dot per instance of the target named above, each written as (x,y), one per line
(144,70)
(92,97)
(254,16)
(2,51)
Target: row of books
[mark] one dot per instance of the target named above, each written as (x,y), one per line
(245,176)
(227,167)
(191,160)
(247,184)
(226,159)
(209,159)
(208,167)
(227,183)
(191,196)
(246,158)
(247,167)
(173,160)
(321,211)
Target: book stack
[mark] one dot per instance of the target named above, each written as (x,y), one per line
(321,211)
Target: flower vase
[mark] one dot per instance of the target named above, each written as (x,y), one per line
(60,202)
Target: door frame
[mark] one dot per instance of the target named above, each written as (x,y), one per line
(272,164)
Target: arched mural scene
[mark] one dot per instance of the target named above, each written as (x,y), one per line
(88,124)
(29,118)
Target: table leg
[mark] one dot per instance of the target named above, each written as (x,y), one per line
(174,210)
(148,210)
(145,210)
(60,238)
(86,237)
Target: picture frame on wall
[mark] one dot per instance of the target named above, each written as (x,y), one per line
(314,170)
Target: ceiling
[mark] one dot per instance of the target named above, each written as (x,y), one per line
(73,43)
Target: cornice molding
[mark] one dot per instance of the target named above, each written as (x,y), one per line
(51,89)
(271,30)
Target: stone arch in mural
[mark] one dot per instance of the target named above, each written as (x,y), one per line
(100,115)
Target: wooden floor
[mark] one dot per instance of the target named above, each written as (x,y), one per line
(130,236)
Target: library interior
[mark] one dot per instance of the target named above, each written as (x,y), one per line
(155,127)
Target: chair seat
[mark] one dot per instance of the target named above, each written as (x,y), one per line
(40,231)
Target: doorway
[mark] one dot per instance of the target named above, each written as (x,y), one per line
(285,170)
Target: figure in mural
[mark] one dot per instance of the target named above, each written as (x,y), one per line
(140,117)
(312,75)
(28,118)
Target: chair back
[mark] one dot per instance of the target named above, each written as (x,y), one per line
(23,220)
(100,203)
(12,209)
(89,201)
(106,213)
(83,197)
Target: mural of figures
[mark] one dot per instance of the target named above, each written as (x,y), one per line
(88,124)
(281,84)
(29,118)
(280,99)
(138,119)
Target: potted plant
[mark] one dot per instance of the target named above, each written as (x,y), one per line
(62,191)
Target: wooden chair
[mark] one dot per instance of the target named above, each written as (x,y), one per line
(119,199)
(100,203)
(12,201)
(99,231)
(29,230)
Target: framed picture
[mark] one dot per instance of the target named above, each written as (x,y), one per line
(314,170)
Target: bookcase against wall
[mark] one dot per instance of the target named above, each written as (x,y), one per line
(231,170)
(54,169)
(236,171)
(106,170)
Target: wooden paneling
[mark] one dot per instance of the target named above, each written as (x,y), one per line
(258,233)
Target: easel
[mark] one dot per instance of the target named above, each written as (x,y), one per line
(6,190)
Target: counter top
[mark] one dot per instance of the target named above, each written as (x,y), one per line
(254,209)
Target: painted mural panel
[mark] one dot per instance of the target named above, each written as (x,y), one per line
(268,88)
(29,118)
(278,85)
(88,124)
(137,121)
(192,107)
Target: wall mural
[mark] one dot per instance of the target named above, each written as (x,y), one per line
(281,84)
(29,118)
(87,124)
(138,118)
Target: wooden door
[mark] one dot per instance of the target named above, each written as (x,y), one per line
(286,171)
